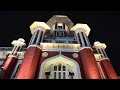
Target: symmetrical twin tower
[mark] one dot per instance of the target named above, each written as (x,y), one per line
(58,49)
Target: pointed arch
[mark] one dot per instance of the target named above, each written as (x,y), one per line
(70,64)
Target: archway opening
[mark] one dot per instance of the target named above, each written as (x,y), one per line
(60,67)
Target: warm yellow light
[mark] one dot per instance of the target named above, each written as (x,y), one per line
(59,46)
(60,18)
(82,27)
(19,42)
(97,57)
(38,25)
(97,44)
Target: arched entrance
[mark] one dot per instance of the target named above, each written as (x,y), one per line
(60,67)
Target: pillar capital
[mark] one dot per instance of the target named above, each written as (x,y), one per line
(97,44)
(38,26)
(81,27)
(19,42)
(100,49)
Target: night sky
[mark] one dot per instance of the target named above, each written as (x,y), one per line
(105,27)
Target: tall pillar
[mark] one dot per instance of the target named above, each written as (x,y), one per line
(105,63)
(87,59)
(10,63)
(30,62)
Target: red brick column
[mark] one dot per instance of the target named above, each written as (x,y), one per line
(108,69)
(29,64)
(89,64)
(8,67)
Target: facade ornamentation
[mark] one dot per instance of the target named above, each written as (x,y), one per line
(58,49)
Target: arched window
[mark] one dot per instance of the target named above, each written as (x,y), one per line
(60,68)
(59,72)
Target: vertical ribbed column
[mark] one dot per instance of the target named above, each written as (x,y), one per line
(30,62)
(108,69)
(89,64)
(87,59)
(83,39)
(10,63)
(100,69)
(105,63)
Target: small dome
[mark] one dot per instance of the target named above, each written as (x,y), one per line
(97,42)
(21,39)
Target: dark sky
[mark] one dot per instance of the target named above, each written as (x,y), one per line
(105,27)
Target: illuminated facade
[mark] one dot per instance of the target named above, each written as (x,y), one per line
(58,49)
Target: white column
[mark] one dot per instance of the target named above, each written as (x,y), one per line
(105,53)
(13,49)
(77,38)
(20,49)
(102,53)
(98,51)
(86,39)
(63,75)
(42,37)
(61,71)
(31,40)
(38,38)
(35,33)
(17,46)
(67,72)
(101,71)
(57,72)
(52,72)
(15,70)
(82,40)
